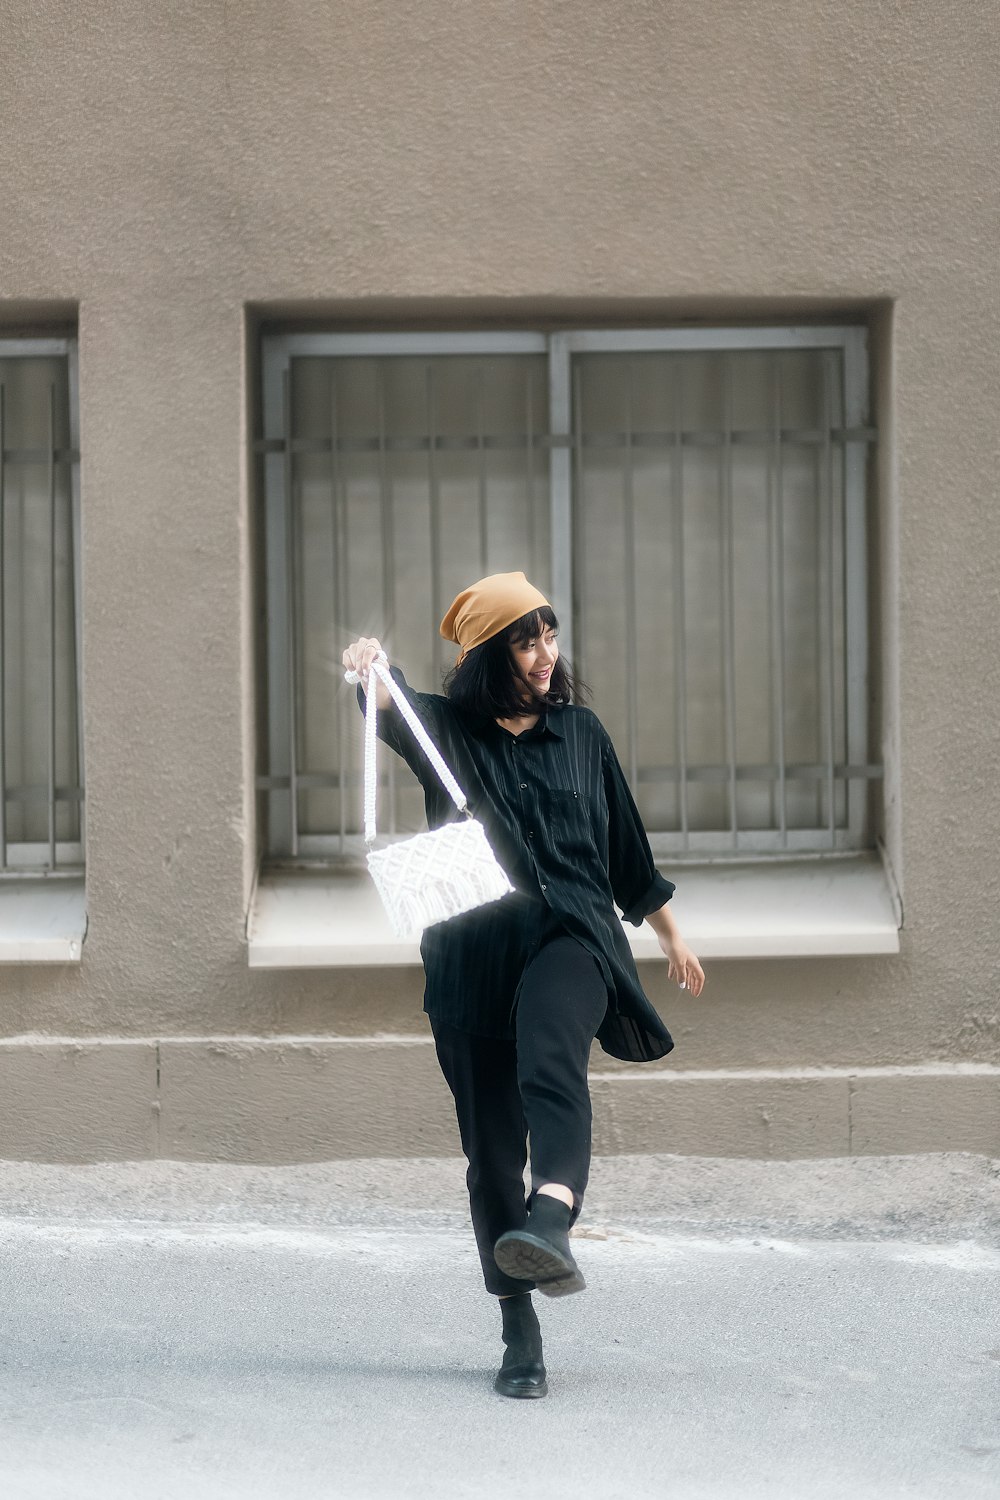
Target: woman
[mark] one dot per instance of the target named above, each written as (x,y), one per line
(517,990)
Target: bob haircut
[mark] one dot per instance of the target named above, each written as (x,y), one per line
(485,686)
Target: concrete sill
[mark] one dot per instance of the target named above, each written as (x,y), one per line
(43,920)
(308,919)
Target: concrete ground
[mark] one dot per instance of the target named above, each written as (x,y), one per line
(799,1330)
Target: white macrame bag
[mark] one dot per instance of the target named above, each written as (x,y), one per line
(436,875)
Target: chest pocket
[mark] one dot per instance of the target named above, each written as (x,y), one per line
(569,829)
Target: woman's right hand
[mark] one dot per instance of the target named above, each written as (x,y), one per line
(358,658)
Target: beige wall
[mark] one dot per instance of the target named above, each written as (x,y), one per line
(178,174)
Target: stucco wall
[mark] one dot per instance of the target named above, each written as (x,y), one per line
(179,173)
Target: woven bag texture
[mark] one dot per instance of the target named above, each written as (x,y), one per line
(437,875)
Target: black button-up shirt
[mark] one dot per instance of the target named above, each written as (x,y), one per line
(562,822)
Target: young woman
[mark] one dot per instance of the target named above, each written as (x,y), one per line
(517,990)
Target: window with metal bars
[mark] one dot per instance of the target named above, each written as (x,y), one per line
(692,501)
(41,745)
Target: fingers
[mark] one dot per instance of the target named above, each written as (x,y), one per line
(695,977)
(688,974)
(360,654)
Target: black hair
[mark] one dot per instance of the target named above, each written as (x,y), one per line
(485,684)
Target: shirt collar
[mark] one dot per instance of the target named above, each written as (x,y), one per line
(549,724)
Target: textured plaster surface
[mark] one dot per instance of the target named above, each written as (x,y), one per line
(293,1099)
(166,168)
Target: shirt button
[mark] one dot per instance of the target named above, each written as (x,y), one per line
(524,786)
(544,887)
(531,833)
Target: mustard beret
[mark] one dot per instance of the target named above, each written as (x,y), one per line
(487,607)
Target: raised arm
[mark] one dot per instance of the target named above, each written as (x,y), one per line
(358,658)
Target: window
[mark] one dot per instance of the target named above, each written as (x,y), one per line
(694,502)
(41,747)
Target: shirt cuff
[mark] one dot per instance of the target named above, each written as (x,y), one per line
(657,894)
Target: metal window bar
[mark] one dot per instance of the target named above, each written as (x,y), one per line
(563,461)
(588,441)
(484,533)
(855,458)
(653,437)
(52,628)
(388,574)
(680,607)
(776,595)
(529,473)
(341,590)
(827,523)
(293,599)
(631,621)
(728,588)
(577,532)
(434,494)
(3,632)
(566,442)
(276,446)
(75,585)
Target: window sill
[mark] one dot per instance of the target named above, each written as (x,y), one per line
(308,919)
(43,919)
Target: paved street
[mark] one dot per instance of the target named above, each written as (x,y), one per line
(224,1332)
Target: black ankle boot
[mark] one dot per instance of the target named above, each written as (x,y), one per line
(540,1251)
(522,1373)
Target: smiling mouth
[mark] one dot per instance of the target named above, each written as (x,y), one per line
(541,676)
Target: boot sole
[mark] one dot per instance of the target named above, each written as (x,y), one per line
(530,1258)
(521,1392)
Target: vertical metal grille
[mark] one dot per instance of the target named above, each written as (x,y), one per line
(401,478)
(713,503)
(41,772)
(694,504)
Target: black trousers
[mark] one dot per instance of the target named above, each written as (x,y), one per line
(535,1085)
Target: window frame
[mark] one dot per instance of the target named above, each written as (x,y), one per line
(51,857)
(560,347)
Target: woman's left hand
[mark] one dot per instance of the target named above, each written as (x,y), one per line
(684,965)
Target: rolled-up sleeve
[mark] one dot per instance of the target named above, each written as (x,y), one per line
(636,883)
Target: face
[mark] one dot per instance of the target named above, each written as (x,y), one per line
(534,660)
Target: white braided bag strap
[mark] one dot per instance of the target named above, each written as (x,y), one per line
(380,666)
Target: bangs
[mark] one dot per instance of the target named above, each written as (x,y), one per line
(531,625)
